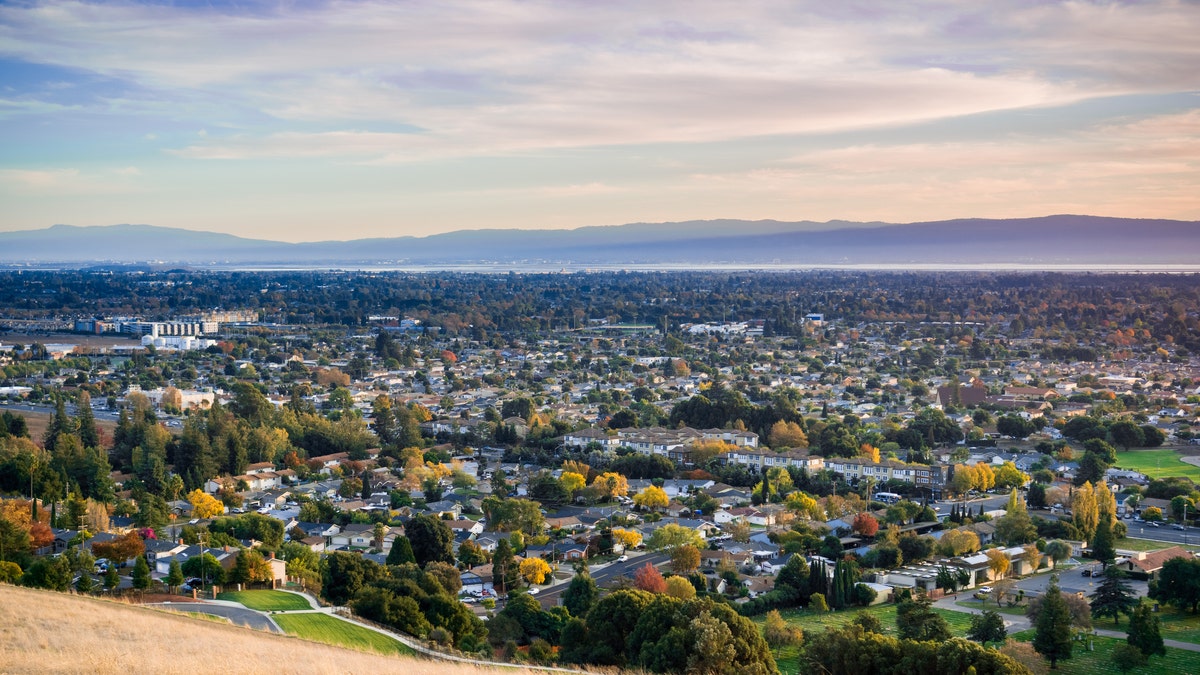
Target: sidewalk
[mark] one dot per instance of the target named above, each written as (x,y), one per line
(1016,624)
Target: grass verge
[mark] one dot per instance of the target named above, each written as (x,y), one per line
(334,631)
(267,601)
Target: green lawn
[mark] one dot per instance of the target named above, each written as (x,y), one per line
(1182,626)
(1083,662)
(267,601)
(333,631)
(1157,463)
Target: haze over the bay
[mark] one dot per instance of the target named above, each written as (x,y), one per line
(312,121)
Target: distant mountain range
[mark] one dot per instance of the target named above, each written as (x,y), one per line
(1051,241)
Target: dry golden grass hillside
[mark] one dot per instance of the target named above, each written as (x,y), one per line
(47,632)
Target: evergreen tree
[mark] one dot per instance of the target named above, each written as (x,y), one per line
(1103,548)
(1052,637)
(818,581)
(174,576)
(432,540)
(401,552)
(916,620)
(580,595)
(1144,632)
(85,583)
(987,627)
(141,574)
(1114,596)
(85,421)
(61,424)
(505,575)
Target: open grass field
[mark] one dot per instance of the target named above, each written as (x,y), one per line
(47,632)
(1099,662)
(267,601)
(334,631)
(817,621)
(1182,626)
(1157,463)
(39,422)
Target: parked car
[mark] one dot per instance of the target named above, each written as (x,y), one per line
(1087,572)
(1177,526)
(623,558)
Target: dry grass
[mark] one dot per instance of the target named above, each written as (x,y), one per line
(39,422)
(47,632)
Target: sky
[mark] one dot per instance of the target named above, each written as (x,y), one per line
(311,120)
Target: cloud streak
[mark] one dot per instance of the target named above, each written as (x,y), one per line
(625,88)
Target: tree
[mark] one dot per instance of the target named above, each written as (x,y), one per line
(401,552)
(1103,544)
(1085,511)
(865,525)
(1126,434)
(998,563)
(205,566)
(249,568)
(1052,636)
(505,574)
(1009,476)
(572,482)
(1015,527)
(535,570)
(648,578)
(680,587)
(672,536)
(204,505)
(1058,551)
(431,539)
(958,542)
(611,485)
(174,576)
(787,435)
(652,498)
(916,620)
(141,574)
(987,627)
(1114,596)
(1127,657)
(581,594)
(1179,583)
(685,559)
(1144,633)
(343,575)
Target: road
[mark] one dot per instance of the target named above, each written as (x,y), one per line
(237,614)
(602,574)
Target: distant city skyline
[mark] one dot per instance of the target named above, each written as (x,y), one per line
(308,121)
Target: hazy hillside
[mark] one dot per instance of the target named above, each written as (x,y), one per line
(48,632)
(1060,240)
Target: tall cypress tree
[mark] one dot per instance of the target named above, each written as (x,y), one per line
(85,421)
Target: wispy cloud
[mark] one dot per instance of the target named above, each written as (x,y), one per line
(768,109)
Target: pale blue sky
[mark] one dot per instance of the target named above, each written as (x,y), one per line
(312,120)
